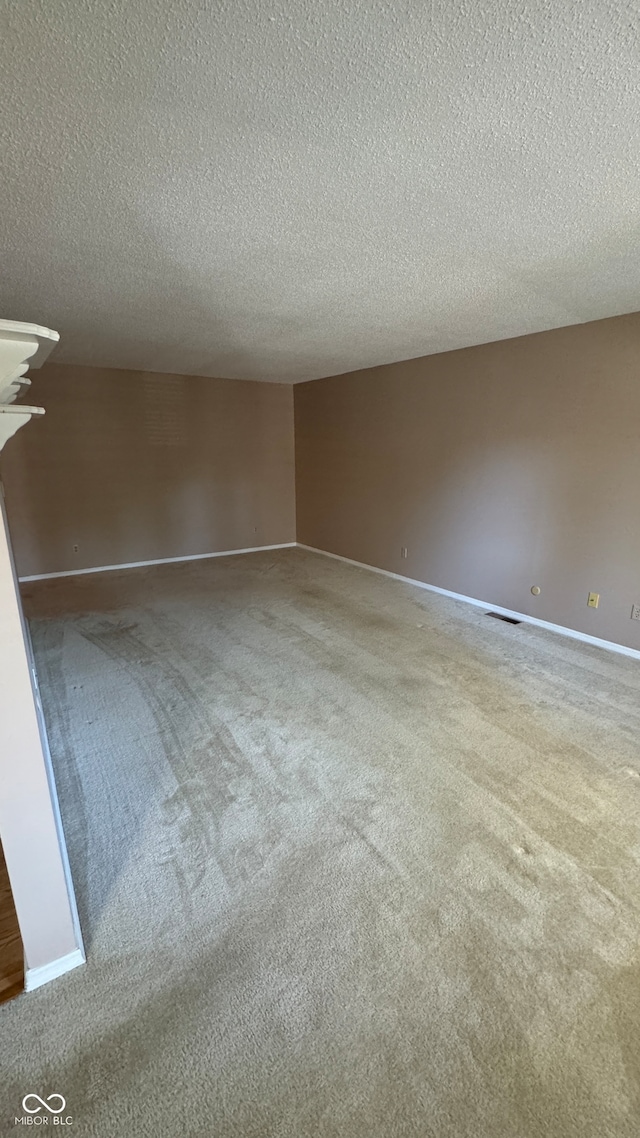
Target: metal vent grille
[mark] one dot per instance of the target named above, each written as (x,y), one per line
(506,619)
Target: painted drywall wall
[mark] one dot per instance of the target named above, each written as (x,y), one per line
(134,466)
(498,467)
(46,913)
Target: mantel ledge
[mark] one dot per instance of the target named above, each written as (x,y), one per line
(22,346)
(12,417)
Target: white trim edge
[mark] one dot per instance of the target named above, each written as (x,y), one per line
(610,645)
(158,561)
(36,977)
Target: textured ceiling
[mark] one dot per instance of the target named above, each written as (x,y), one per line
(283,191)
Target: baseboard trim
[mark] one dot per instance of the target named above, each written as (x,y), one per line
(595,641)
(609,645)
(157,561)
(36,977)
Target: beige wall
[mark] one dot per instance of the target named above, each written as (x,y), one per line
(499,467)
(134,466)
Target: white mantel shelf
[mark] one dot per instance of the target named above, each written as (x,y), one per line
(22,346)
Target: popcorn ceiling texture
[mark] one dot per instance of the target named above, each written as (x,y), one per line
(286,191)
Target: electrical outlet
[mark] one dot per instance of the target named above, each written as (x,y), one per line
(403,551)
(635,612)
(76,548)
(594,600)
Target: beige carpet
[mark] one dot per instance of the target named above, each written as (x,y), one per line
(353,861)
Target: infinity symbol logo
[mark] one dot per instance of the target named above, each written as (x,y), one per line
(43,1103)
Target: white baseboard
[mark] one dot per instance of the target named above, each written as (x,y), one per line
(35,977)
(157,561)
(610,645)
(596,641)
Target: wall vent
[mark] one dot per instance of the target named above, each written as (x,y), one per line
(506,619)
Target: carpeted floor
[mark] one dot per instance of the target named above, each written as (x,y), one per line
(353,861)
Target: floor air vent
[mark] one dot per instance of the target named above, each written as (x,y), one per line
(506,619)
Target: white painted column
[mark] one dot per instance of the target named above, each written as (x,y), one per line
(30,826)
